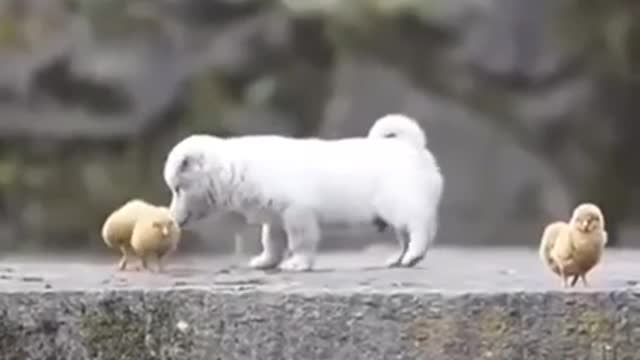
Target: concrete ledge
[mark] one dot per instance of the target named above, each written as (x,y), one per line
(332,314)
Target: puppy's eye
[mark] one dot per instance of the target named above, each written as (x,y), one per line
(184,164)
(390,135)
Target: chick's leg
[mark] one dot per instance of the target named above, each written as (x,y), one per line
(585,283)
(145,263)
(563,276)
(122,265)
(160,262)
(574,280)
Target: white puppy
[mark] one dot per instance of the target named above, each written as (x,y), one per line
(387,178)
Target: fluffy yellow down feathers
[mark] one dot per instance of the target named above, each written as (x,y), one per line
(142,229)
(572,250)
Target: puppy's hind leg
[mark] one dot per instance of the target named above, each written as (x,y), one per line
(403,240)
(272,250)
(303,234)
(420,237)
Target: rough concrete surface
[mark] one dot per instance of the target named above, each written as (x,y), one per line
(457,304)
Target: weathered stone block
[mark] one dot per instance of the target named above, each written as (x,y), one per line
(499,304)
(200,323)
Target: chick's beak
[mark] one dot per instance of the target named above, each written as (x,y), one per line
(165,231)
(589,224)
(585,224)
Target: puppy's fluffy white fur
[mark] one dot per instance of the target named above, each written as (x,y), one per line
(388,178)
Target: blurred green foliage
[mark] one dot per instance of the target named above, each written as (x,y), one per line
(10,33)
(74,188)
(117,19)
(608,30)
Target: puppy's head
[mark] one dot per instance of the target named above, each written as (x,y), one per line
(587,218)
(188,174)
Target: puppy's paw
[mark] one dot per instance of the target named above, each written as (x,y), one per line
(297,262)
(410,260)
(394,261)
(263,261)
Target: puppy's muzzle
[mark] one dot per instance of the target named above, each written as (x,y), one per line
(185,220)
(191,217)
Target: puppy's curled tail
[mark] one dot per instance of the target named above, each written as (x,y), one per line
(399,126)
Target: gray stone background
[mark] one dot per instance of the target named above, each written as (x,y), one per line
(530,106)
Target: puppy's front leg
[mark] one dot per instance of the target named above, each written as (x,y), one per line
(303,234)
(272,250)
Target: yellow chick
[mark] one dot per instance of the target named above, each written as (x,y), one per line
(156,234)
(573,249)
(118,227)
